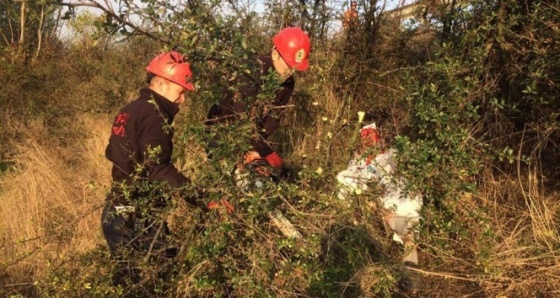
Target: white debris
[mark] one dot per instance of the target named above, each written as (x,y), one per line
(402,208)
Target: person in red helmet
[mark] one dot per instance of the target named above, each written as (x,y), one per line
(290,53)
(140,149)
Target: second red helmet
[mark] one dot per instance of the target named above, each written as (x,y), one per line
(294,46)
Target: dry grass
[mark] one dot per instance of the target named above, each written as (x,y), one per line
(521,259)
(525,256)
(50,202)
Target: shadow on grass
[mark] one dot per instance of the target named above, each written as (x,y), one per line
(347,250)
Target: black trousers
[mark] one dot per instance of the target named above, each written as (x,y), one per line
(131,238)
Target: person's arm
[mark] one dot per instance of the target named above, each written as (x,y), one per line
(156,143)
(226,109)
(271,120)
(155,140)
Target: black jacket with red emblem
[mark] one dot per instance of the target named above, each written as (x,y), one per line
(141,144)
(234,103)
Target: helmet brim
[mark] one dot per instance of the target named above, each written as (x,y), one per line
(303,65)
(189,86)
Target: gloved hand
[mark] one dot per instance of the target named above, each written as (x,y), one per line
(223,203)
(251,156)
(274,160)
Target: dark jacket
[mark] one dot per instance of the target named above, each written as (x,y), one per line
(234,103)
(141,144)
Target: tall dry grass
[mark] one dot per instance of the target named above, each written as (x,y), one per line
(513,254)
(525,256)
(51,200)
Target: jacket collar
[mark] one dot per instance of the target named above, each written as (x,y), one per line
(267,66)
(169,108)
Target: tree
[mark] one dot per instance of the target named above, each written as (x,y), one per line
(26,26)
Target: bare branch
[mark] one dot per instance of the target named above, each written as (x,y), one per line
(116,17)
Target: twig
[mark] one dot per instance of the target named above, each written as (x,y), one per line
(115,16)
(452,276)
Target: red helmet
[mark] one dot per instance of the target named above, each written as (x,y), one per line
(293,45)
(174,67)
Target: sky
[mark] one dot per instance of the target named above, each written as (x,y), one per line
(256,5)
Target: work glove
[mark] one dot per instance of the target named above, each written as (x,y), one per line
(274,160)
(223,203)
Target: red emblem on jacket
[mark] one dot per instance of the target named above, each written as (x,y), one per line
(118,126)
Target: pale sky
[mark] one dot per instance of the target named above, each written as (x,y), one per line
(256,5)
